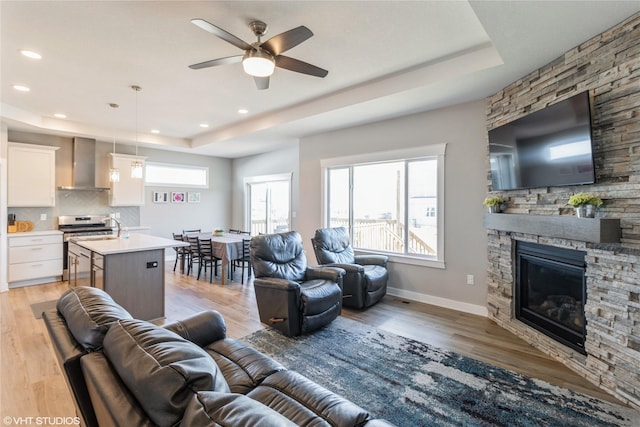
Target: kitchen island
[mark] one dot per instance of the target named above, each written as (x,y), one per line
(131,270)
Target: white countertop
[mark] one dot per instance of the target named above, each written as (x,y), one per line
(135,243)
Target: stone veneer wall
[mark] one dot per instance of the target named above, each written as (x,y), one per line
(608,66)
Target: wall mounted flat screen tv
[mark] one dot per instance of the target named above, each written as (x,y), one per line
(548,148)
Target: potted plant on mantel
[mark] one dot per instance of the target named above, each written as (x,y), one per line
(493,203)
(585,204)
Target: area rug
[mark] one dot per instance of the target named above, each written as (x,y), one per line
(410,383)
(39,307)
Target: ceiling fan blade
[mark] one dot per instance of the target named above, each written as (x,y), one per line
(298,66)
(217,31)
(262,82)
(287,40)
(215,62)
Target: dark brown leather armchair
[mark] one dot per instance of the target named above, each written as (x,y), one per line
(291,296)
(365,281)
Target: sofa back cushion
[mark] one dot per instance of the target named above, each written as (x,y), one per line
(88,313)
(332,246)
(209,408)
(279,256)
(161,369)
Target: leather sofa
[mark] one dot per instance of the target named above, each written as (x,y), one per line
(127,372)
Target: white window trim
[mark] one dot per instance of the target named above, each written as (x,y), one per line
(437,150)
(177,166)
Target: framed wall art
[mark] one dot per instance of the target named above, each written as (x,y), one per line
(193,197)
(160,197)
(178,197)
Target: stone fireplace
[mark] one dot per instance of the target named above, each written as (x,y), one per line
(608,66)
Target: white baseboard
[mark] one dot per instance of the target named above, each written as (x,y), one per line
(440,302)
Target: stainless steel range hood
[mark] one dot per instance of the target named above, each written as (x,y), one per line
(83,171)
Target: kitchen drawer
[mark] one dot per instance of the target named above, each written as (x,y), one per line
(20,254)
(35,270)
(15,241)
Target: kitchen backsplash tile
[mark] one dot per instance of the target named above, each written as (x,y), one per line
(76,203)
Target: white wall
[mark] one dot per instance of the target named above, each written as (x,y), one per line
(462,127)
(276,162)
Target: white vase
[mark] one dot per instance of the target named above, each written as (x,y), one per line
(585,211)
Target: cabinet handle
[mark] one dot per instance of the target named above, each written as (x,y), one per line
(37,249)
(37,265)
(36,240)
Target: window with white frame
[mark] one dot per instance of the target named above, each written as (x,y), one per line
(172,175)
(390,202)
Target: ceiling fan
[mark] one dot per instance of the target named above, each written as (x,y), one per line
(260,59)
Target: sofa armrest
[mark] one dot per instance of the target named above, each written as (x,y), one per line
(69,352)
(277,284)
(372,260)
(334,274)
(348,268)
(202,328)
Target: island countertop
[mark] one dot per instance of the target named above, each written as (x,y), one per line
(135,243)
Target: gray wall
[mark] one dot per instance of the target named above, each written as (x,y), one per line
(462,127)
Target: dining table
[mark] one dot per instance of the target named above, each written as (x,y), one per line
(226,247)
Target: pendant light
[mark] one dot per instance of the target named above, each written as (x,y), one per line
(114,173)
(136,165)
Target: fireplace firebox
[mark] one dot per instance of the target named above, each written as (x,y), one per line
(550,292)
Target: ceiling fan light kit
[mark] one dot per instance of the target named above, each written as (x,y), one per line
(258,63)
(260,59)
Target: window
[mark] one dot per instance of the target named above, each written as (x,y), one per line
(169,175)
(268,203)
(390,202)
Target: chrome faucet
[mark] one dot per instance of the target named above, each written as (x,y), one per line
(118,224)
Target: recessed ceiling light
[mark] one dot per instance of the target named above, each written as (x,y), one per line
(155,131)
(243,111)
(60,115)
(21,88)
(204,125)
(30,54)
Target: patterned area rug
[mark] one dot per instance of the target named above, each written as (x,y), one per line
(413,384)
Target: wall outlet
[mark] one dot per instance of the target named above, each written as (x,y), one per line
(43,217)
(470,279)
(118,215)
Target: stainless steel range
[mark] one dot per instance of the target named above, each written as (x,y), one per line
(73,226)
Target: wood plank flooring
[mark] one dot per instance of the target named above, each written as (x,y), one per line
(33,386)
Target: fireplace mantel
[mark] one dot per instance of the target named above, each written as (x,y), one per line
(593,230)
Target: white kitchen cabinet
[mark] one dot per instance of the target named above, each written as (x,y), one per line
(34,258)
(31,179)
(128,191)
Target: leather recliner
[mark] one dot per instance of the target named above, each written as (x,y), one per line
(292,297)
(365,281)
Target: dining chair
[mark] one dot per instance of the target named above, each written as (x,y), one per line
(194,252)
(182,252)
(244,261)
(207,258)
(195,230)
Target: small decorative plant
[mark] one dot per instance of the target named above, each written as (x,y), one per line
(493,201)
(584,199)
(218,231)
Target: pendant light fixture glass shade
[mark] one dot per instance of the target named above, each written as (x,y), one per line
(114,173)
(136,165)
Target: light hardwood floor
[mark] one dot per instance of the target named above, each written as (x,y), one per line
(32,385)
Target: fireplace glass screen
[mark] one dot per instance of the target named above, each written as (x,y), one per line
(551,292)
